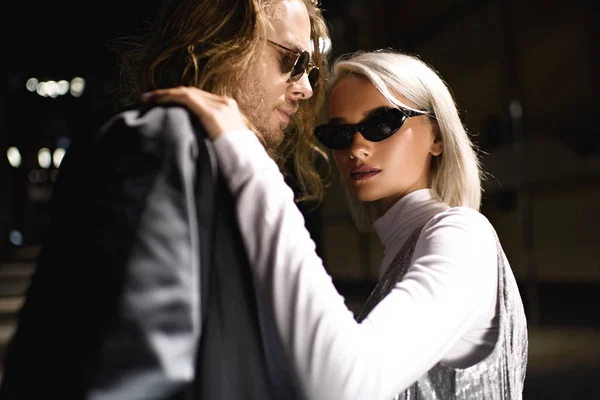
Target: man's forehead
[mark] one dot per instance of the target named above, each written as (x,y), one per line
(293,45)
(291,26)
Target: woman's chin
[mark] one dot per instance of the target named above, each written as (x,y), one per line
(366,197)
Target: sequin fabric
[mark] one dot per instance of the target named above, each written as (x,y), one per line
(499,376)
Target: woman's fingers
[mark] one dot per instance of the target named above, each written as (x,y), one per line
(218,114)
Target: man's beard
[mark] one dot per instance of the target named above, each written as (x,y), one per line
(259,114)
(253,104)
(255,108)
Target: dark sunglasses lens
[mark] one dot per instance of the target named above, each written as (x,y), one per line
(300,66)
(375,129)
(381,127)
(335,137)
(313,76)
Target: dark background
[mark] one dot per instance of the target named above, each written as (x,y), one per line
(542,196)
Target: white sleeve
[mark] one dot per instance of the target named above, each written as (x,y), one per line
(404,336)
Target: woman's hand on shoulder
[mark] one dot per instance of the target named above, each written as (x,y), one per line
(218,114)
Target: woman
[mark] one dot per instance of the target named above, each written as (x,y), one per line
(446,319)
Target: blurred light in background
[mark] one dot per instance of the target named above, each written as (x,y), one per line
(324,45)
(57,157)
(54,89)
(63,87)
(53,175)
(31,84)
(63,142)
(47,89)
(40,88)
(15,237)
(44,158)
(38,176)
(77,86)
(515,108)
(14,157)
(32,175)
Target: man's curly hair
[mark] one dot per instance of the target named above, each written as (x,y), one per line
(211,44)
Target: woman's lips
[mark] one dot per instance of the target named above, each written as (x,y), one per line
(364,172)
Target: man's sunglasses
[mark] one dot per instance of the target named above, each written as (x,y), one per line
(375,128)
(298,65)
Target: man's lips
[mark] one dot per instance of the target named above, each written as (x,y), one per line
(363,172)
(286,114)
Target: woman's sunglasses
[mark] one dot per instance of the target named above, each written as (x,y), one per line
(298,65)
(375,128)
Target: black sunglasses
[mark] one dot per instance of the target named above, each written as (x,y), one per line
(298,65)
(375,128)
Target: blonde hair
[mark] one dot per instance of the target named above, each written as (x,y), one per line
(456,173)
(212,45)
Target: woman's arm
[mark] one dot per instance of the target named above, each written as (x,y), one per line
(451,280)
(449,284)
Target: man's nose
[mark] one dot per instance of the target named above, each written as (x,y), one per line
(301,89)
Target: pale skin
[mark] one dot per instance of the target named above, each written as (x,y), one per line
(278,98)
(403,160)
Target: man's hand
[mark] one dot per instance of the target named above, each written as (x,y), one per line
(218,114)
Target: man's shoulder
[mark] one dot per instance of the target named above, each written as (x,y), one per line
(152,120)
(160,128)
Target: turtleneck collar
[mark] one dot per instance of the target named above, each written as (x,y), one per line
(402,218)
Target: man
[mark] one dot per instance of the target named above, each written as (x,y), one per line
(164,306)
(241,49)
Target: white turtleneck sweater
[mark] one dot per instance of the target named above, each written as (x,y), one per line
(441,311)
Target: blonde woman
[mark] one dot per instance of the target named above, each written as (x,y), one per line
(446,320)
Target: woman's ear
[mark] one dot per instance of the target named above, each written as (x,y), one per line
(437,147)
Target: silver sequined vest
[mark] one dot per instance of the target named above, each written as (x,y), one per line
(499,376)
